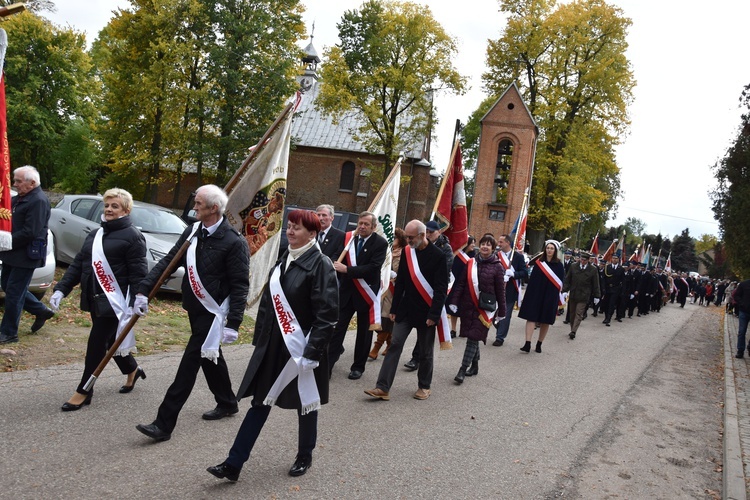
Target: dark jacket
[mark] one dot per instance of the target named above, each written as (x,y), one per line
(369,262)
(490,273)
(311,289)
(408,304)
(29,221)
(520,274)
(222,261)
(741,296)
(333,244)
(444,245)
(541,298)
(125,249)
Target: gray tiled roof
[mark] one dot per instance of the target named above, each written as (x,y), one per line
(313,128)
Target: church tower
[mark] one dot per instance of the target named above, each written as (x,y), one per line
(505,164)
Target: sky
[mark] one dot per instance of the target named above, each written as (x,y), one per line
(689,62)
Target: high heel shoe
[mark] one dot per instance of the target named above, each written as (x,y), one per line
(71,407)
(139,373)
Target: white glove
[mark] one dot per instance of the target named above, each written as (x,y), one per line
(510,273)
(54,301)
(309,365)
(453,308)
(393,275)
(506,278)
(565,296)
(140,306)
(228,335)
(596,301)
(496,321)
(631,296)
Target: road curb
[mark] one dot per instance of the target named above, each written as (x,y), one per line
(733,483)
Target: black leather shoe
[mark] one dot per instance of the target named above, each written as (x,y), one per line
(453,334)
(71,407)
(224,470)
(572,335)
(355,375)
(739,355)
(619,320)
(498,343)
(218,413)
(41,319)
(139,373)
(152,431)
(460,375)
(301,464)
(473,369)
(412,365)
(6,339)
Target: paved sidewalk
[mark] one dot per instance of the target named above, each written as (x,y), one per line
(736,414)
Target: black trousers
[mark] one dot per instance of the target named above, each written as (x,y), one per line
(613,303)
(217,376)
(101,338)
(362,345)
(253,423)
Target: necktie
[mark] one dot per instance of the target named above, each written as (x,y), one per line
(360,244)
(321,236)
(205,233)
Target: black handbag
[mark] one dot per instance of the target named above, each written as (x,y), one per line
(101,306)
(487,301)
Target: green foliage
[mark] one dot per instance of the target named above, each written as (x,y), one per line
(706,242)
(569,62)
(731,198)
(48,82)
(76,159)
(684,257)
(390,55)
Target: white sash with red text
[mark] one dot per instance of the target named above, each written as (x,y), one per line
(295,341)
(506,265)
(373,300)
(210,347)
(108,283)
(426,291)
(555,279)
(473,277)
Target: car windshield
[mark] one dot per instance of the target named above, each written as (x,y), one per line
(154,220)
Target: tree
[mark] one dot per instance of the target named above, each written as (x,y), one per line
(76,155)
(571,68)
(390,56)
(634,228)
(35,6)
(731,198)
(48,79)
(684,257)
(706,242)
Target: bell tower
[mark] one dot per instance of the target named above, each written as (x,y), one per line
(505,164)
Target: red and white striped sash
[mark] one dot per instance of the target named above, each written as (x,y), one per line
(426,291)
(372,299)
(555,279)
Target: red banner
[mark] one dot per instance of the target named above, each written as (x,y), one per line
(451,203)
(5,211)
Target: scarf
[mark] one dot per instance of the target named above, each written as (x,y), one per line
(295,341)
(108,283)
(210,347)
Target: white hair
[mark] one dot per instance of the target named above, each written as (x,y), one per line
(29,174)
(214,196)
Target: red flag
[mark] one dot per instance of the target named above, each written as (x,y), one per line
(521,232)
(610,252)
(6,240)
(451,203)
(595,245)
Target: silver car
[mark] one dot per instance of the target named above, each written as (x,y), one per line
(75,216)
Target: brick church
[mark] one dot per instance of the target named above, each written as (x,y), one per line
(328,165)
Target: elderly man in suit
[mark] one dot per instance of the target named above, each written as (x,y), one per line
(359,283)
(330,239)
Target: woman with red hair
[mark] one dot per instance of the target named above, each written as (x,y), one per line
(289,366)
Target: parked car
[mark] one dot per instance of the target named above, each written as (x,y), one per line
(43,276)
(75,216)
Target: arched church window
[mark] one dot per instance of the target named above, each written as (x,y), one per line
(346,183)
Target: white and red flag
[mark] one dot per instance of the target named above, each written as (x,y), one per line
(450,206)
(6,240)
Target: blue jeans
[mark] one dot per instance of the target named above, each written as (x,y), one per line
(504,325)
(15,283)
(742,330)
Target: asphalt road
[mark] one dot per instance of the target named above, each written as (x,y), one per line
(630,411)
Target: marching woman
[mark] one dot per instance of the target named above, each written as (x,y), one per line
(289,366)
(458,268)
(542,297)
(116,249)
(482,277)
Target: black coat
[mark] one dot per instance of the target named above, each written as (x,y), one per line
(408,304)
(30,220)
(520,274)
(222,261)
(541,298)
(125,249)
(310,287)
(333,244)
